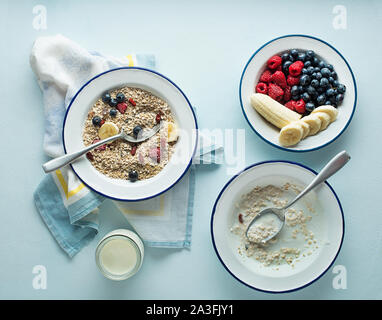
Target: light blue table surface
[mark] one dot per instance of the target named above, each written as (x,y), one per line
(203,47)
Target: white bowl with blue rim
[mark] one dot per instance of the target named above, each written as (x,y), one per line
(327,224)
(256,66)
(158,85)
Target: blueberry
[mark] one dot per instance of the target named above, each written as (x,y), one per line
(304,71)
(334,75)
(315,83)
(133,175)
(310,70)
(120,97)
(341,88)
(336,83)
(286,66)
(330,92)
(330,67)
(310,54)
(332,99)
(320,90)
(315,61)
(339,98)
(312,92)
(286,57)
(294,53)
(96,120)
(305,96)
(321,99)
(322,64)
(324,83)
(328,103)
(301,56)
(304,80)
(113,112)
(113,102)
(310,106)
(296,97)
(106,97)
(318,76)
(331,80)
(137,130)
(294,91)
(317,69)
(307,64)
(325,72)
(300,89)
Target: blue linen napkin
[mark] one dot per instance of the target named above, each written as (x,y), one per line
(66,205)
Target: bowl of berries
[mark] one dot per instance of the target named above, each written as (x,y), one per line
(298,93)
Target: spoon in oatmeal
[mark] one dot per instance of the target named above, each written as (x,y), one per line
(264,227)
(64,160)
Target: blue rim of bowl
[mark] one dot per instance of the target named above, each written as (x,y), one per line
(213,214)
(189,104)
(329,45)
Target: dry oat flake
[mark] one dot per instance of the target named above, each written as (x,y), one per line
(136,107)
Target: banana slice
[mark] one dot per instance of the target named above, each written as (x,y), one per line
(291,134)
(272,111)
(172,132)
(305,128)
(107,130)
(330,110)
(325,120)
(314,122)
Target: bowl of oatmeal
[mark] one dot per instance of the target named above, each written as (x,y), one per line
(133,100)
(308,243)
(301,93)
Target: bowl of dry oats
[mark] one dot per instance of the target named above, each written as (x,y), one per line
(133,100)
(305,248)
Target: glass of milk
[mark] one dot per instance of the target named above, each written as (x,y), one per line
(119,254)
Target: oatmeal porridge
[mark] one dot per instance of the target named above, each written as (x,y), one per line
(134,111)
(295,240)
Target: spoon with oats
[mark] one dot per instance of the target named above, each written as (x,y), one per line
(262,229)
(114,134)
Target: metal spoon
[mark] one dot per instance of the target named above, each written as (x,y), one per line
(331,168)
(64,160)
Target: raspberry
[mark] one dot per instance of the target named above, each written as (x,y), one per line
(266,76)
(300,106)
(295,68)
(158,118)
(133,150)
(101,147)
(154,154)
(262,88)
(122,107)
(293,81)
(291,105)
(90,156)
(275,92)
(287,93)
(279,78)
(131,100)
(274,62)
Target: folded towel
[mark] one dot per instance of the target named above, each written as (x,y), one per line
(67,206)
